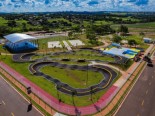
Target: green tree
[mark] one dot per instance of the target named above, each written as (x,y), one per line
(123,29)
(45,28)
(70,34)
(132,42)
(102,29)
(76,28)
(4,30)
(24,27)
(116,39)
(12,23)
(142,34)
(92,37)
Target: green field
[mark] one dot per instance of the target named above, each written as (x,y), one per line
(142,25)
(86,57)
(80,54)
(138,27)
(75,78)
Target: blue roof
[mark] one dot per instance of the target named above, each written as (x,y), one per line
(119,52)
(116,44)
(18,37)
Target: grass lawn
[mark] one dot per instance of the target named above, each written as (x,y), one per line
(74,78)
(81,54)
(49,87)
(86,52)
(102,23)
(73,62)
(43,43)
(124,67)
(90,57)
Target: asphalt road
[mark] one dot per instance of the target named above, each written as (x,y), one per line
(141,100)
(12,104)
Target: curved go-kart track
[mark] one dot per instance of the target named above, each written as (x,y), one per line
(108,73)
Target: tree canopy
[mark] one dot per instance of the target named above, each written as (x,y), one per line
(123,29)
(116,39)
(132,42)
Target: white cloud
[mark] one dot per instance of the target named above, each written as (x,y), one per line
(75,5)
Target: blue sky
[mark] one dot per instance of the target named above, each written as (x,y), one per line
(75,5)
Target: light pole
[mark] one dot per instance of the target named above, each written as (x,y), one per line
(87,76)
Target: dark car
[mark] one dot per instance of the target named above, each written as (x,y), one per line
(150,64)
(147,59)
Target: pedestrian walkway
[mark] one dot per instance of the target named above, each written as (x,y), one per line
(104,64)
(67,46)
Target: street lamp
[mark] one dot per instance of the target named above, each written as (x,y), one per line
(87,76)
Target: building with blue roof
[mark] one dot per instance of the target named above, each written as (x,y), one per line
(18,42)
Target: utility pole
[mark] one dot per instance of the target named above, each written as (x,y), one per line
(87,76)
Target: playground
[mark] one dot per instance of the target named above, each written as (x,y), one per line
(116,49)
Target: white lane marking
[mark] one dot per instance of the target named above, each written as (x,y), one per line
(142,103)
(21,95)
(12,114)
(146,92)
(3,102)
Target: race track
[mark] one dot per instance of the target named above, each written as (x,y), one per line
(108,74)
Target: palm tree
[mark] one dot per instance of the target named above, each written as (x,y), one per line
(87,75)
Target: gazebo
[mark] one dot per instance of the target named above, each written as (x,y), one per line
(18,42)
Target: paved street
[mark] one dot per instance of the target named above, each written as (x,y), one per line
(12,104)
(141,100)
